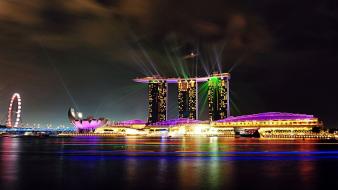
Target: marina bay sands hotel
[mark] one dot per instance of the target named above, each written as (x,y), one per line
(187,96)
(266,125)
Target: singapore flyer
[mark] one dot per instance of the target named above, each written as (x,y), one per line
(14,111)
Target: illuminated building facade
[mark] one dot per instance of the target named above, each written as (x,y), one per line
(157,101)
(275,124)
(218,97)
(187,99)
(263,125)
(270,119)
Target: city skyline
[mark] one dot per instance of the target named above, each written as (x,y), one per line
(168,94)
(56,57)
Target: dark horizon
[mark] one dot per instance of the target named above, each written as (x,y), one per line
(282,55)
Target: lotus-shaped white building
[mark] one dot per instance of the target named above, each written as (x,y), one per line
(85,125)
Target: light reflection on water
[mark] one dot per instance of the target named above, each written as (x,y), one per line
(162,163)
(9,160)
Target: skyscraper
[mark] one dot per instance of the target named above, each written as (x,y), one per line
(157,101)
(218,96)
(187,99)
(218,100)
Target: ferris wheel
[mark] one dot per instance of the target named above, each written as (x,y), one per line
(14,111)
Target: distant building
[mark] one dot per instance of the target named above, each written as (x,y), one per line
(157,100)
(187,99)
(218,97)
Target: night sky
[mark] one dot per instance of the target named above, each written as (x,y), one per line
(84,53)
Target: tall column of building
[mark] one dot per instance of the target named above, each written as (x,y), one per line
(218,98)
(192,99)
(187,99)
(157,101)
(228,97)
(182,97)
(212,98)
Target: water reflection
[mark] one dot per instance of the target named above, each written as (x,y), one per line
(306,168)
(10,149)
(167,163)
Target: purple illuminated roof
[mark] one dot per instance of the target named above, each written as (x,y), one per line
(131,122)
(177,122)
(267,116)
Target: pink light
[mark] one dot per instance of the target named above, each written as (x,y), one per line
(89,124)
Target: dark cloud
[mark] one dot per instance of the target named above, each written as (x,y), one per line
(98,22)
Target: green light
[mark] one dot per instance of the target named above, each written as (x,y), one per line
(214,80)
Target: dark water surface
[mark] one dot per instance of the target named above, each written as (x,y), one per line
(161,163)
